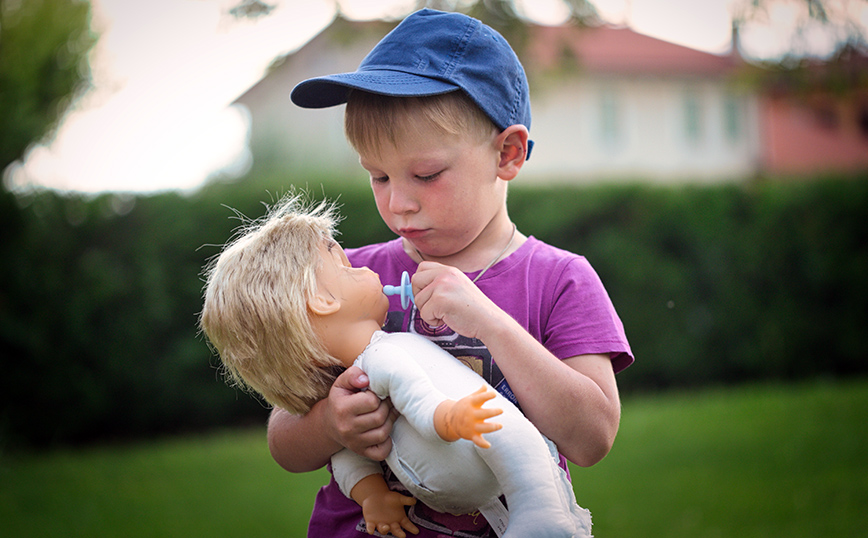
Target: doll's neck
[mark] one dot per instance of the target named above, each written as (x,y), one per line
(346,342)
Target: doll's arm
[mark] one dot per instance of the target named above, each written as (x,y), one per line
(393,372)
(361,479)
(382,508)
(465,418)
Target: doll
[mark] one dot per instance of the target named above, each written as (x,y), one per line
(286,311)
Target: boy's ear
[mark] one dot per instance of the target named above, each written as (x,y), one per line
(512,144)
(323,304)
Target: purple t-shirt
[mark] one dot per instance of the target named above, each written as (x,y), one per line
(554,294)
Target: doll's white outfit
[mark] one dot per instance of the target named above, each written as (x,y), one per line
(460,477)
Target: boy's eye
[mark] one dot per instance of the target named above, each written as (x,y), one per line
(379,179)
(430,177)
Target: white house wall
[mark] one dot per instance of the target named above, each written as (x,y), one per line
(628,129)
(586,128)
(300,139)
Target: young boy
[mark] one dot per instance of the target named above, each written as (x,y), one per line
(283,306)
(439,113)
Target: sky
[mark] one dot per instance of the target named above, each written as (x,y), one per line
(165,72)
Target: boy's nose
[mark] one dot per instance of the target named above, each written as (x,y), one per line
(401,201)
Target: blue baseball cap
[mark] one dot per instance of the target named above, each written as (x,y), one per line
(430,53)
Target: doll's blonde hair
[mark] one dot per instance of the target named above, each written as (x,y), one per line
(370,120)
(255,313)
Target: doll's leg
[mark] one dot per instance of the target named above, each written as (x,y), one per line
(448,477)
(540,499)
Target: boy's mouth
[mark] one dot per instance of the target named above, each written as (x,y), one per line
(411,233)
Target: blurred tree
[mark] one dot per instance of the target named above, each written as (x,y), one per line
(251,9)
(509,19)
(839,20)
(832,83)
(582,11)
(44,67)
(503,15)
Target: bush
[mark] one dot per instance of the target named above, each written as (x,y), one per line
(722,283)
(716,284)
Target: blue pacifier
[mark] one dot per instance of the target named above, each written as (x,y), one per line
(405,290)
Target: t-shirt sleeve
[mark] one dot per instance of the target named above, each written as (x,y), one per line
(582,319)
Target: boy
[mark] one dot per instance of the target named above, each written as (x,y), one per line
(283,306)
(439,113)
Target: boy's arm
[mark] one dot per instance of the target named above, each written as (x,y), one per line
(348,418)
(545,386)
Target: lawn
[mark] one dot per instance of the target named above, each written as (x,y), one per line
(754,461)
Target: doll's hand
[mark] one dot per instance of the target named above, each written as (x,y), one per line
(465,418)
(385,514)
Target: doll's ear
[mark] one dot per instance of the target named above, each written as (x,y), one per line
(323,304)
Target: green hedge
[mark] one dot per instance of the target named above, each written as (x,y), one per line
(723,283)
(717,284)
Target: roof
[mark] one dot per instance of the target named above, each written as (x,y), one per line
(618,49)
(604,49)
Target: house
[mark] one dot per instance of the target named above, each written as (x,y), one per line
(629,106)
(815,116)
(608,104)
(286,137)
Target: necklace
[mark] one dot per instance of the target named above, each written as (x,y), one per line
(492,262)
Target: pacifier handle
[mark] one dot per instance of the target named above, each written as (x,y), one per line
(405,290)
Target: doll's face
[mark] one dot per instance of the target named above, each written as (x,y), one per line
(357,289)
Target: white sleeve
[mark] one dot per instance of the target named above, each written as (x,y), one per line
(394,374)
(348,468)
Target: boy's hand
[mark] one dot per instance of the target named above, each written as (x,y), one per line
(444,295)
(358,419)
(465,418)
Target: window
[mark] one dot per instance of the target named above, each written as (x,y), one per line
(610,122)
(693,121)
(862,119)
(732,118)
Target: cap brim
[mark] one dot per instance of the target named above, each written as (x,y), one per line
(331,90)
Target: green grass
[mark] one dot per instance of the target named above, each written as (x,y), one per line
(757,461)
(219,485)
(764,461)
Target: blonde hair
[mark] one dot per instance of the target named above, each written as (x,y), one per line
(255,313)
(372,119)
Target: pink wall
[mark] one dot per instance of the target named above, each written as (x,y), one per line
(802,138)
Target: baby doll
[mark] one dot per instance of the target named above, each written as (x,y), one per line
(285,311)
